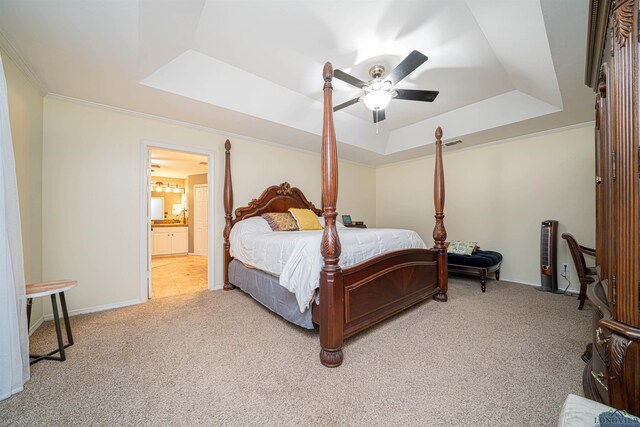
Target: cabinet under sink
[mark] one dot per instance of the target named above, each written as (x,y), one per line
(167,240)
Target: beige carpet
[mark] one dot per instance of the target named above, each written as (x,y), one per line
(508,357)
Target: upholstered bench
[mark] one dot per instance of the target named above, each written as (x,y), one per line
(480,264)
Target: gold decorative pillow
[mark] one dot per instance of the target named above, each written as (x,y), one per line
(281,221)
(306,219)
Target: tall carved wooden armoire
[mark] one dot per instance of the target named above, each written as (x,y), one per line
(613,373)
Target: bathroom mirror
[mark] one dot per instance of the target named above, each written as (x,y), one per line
(157,208)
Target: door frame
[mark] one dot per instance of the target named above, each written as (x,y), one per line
(194,214)
(145,225)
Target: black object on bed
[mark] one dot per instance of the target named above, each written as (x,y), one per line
(479,264)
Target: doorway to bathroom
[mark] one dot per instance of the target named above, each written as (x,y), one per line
(177,222)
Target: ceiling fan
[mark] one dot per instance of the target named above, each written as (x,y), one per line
(378,91)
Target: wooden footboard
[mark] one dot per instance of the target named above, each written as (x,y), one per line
(383,286)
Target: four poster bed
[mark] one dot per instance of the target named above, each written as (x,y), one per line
(350,299)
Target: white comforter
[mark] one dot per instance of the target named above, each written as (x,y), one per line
(295,256)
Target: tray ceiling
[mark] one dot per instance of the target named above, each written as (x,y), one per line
(503,68)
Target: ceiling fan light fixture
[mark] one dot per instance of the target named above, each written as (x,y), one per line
(381,88)
(377,99)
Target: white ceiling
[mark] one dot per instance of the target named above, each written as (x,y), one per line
(504,68)
(176,164)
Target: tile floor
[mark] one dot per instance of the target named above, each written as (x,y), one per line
(178,275)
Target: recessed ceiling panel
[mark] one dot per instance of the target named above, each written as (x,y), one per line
(266,63)
(289,48)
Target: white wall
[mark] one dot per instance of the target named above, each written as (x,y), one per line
(498,195)
(91,164)
(25,114)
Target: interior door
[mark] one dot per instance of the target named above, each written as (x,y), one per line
(201,215)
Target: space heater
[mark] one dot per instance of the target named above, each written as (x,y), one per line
(549,256)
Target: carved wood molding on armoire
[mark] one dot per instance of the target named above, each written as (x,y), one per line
(612,375)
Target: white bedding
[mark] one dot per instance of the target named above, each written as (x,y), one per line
(295,256)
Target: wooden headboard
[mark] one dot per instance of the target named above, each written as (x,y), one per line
(277,198)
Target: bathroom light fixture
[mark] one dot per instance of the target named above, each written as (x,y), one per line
(167,188)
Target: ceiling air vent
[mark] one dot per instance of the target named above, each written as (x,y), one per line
(450,143)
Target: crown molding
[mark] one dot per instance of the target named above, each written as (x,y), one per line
(497,142)
(12,53)
(596,39)
(57,96)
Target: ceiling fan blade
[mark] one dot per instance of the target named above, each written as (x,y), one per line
(417,95)
(346,104)
(348,78)
(378,116)
(406,67)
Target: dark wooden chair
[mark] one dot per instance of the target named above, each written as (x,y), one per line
(586,275)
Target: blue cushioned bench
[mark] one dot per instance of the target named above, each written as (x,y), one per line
(480,264)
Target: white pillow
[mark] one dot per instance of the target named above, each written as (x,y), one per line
(255,224)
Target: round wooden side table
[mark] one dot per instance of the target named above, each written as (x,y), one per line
(52,288)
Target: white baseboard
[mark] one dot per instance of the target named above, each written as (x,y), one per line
(97,308)
(561,286)
(35,325)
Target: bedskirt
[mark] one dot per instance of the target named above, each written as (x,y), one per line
(266,289)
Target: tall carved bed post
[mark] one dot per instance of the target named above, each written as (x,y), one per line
(228,207)
(439,231)
(331,288)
